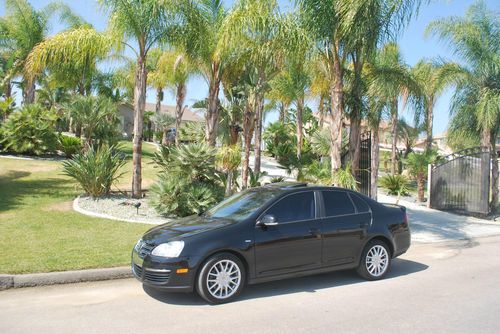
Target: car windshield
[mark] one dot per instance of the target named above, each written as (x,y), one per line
(240,206)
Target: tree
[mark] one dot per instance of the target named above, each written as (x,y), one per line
(147,22)
(417,164)
(22,28)
(201,42)
(173,69)
(228,158)
(261,36)
(429,77)
(475,38)
(163,121)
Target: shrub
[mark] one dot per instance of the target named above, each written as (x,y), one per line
(95,170)
(189,182)
(69,145)
(344,178)
(30,131)
(255,178)
(396,185)
(277,179)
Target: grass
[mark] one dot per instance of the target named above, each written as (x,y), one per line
(39,231)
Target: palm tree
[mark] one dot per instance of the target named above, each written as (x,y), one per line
(429,77)
(173,69)
(22,28)
(476,40)
(71,55)
(387,78)
(228,158)
(163,122)
(260,35)
(146,22)
(201,42)
(417,164)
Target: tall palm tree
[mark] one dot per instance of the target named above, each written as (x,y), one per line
(22,28)
(475,38)
(429,77)
(173,69)
(262,36)
(387,79)
(146,23)
(201,42)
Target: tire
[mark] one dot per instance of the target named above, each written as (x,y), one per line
(227,278)
(380,255)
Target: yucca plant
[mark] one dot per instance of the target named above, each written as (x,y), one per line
(255,178)
(344,178)
(96,170)
(69,145)
(397,184)
(277,179)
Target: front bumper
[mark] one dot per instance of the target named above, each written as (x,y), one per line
(161,273)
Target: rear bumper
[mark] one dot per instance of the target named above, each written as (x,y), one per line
(161,273)
(402,242)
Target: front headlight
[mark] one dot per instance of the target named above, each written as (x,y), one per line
(169,249)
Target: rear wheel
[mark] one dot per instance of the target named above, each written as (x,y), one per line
(375,261)
(221,278)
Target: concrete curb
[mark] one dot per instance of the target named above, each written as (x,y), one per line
(79,209)
(63,277)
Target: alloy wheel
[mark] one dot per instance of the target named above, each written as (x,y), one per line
(223,279)
(377,260)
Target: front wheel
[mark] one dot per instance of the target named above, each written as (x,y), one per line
(221,278)
(375,261)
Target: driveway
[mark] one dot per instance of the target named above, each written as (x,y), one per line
(434,288)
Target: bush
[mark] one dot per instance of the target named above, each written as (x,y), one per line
(344,178)
(189,182)
(30,131)
(95,170)
(69,145)
(396,184)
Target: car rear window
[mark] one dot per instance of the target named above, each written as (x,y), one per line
(337,203)
(360,203)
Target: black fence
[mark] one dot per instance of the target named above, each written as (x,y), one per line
(461,182)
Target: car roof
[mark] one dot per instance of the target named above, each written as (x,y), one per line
(290,185)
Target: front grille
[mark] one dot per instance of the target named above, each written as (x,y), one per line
(145,249)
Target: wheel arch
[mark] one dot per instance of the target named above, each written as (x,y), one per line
(385,240)
(230,251)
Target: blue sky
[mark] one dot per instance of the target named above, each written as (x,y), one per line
(412,42)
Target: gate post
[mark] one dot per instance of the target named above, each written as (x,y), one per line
(429,184)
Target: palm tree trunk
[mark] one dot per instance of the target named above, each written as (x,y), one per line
(179,109)
(374,162)
(282,113)
(321,111)
(394,131)
(300,109)
(29,92)
(229,184)
(248,124)
(8,89)
(336,113)
(139,106)
(430,119)
(212,114)
(258,133)
(421,187)
(159,98)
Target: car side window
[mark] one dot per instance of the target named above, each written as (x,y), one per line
(360,203)
(337,203)
(294,207)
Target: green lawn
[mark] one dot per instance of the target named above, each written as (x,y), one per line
(39,231)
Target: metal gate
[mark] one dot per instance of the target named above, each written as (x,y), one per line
(462,182)
(363,174)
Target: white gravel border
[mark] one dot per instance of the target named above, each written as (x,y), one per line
(77,208)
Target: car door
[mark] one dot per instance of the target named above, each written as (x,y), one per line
(343,226)
(294,243)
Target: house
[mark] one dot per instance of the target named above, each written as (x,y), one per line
(126,111)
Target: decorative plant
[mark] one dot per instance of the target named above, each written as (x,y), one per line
(69,145)
(189,182)
(96,170)
(229,159)
(277,179)
(255,178)
(344,178)
(30,131)
(396,185)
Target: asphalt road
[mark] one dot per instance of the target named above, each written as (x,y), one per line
(452,287)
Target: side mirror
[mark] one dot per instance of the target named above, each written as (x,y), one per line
(267,220)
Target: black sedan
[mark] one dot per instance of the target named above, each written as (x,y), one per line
(273,232)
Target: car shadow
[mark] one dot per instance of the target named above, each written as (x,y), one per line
(400,267)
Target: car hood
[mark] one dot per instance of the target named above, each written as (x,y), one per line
(183,228)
